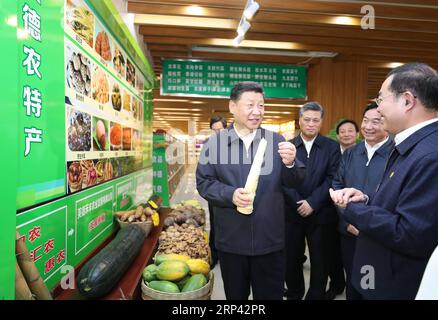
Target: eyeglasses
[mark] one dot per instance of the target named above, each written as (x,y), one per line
(380,99)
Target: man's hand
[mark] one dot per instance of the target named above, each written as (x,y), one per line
(242,198)
(342,197)
(304,209)
(287,152)
(351,229)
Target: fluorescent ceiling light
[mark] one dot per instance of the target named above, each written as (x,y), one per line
(158,19)
(177,109)
(243,27)
(197,102)
(393,65)
(251,9)
(252,50)
(171,100)
(282,105)
(256,44)
(347,21)
(195,10)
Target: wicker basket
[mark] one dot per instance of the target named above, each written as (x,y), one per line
(146,225)
(203,293)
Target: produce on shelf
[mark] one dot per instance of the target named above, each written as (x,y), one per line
(172,270)
(186,214)
(164,286)
(139,214)
(185,239)
(195,282)
(198,266)
(164,257)
(99,275)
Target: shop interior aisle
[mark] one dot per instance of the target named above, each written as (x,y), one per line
(186,190)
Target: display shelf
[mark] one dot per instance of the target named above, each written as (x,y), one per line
(168,167)
(129,286)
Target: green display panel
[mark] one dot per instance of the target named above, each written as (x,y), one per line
(62,233)
(8,131)
(40,108)
(216,78)
(160,176)
(80,132)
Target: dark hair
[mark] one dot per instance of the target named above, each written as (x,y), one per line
(313,106)
(372,105)
(242,87)
(420,79)
(344,122)
(215,119)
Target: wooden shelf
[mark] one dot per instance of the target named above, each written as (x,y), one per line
(129,286)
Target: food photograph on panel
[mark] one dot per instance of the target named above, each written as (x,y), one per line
(115,136)
(80,19)
(78,130)
(100,134)
(102,42)
(78,70)
(100,86)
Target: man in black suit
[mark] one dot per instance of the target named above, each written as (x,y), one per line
(309,211)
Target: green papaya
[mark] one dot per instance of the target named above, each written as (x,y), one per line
(195,282)
(150,273)
(164,286)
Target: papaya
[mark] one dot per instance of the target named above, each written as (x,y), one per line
(195,282)
(198,266)
(172,270)
(150,272)
(164,286)
(183,281)
(171,256)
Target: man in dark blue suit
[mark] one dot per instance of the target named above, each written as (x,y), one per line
(309,212)
(250,246)
(398,224)
(362,168)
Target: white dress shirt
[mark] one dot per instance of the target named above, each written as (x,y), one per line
(372,149)
(401,136)
(308,144)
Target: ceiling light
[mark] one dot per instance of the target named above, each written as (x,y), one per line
(195,10)
(251,9)
(197,102)
(171,100)
(282,105)
(184,21)
(393,65)
(348,21)
(283,49)
(243,27)
(177,109)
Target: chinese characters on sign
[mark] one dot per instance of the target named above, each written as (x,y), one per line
(213,78)
(32,98)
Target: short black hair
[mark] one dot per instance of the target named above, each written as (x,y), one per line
(344,122)
(242,87)
(419,78)
(372,105)
(215,119)
(313,106)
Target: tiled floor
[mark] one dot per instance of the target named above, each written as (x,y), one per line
(187,190)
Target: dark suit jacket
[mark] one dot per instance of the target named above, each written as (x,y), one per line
(321,167)
(399,228)
(354,173)
(262,231)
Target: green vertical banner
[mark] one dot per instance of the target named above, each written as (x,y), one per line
(41,134)
(8,130)
(160,182)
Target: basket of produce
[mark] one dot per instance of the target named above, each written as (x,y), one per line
(139,216)
(177,277)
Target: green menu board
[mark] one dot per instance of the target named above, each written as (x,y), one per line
(217,78)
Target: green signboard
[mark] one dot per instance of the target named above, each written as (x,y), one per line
(216,78)
(8,131)
(40,106)
(80,131)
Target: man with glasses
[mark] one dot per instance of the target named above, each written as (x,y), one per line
(362,168)
(398,224)
(309,212)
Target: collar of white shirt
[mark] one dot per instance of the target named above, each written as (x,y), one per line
(401,136)
(247,140)
(308,144)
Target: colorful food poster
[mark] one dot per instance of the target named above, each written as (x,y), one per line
(104,103)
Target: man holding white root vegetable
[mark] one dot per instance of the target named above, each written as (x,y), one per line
(241,172)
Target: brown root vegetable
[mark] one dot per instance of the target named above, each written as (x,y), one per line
(126,215)
(138,212)
(143,218)
(148,211)
(131,218)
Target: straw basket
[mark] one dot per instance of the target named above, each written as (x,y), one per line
(203,293)
(146,225)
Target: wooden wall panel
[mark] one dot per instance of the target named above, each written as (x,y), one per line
(341,88)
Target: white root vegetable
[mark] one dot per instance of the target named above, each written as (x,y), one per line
(253,176)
